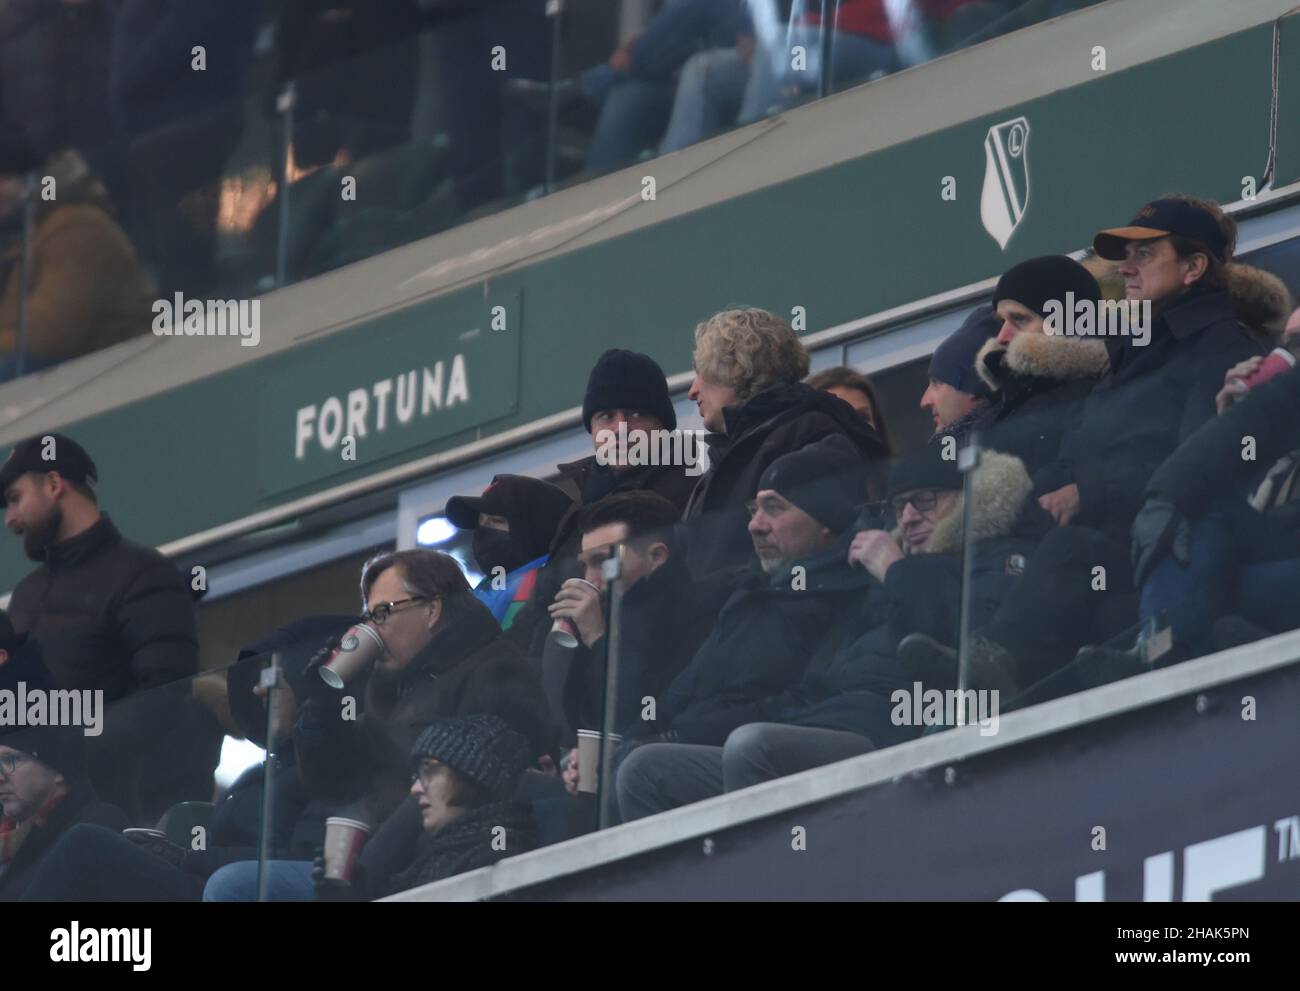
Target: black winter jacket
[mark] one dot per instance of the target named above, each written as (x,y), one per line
(465,669)
(850,688)
(587,481)
(1150,400)
(80,805)
(1209,464)
(777,421)
(760,645)
(109,614)
(665,617)
(1041,382)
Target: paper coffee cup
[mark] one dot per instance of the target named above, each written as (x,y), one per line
(589,758)
(359,647)
(1278,361)
(563,632)
(344,839)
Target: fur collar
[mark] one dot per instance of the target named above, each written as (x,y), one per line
(1040,356)
(1000,488)
(1260,299)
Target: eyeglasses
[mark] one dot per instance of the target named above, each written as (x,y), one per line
(379,615)
(425,773)
(922,502)
(9,763)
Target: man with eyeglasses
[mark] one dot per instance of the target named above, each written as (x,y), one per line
(443,656)
(43,794)
(843,704)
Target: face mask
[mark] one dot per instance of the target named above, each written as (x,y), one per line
(495,548)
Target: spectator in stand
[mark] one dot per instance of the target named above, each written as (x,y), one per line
(855,389)
(1158,388)
(749,365)
(843,705)
(807,597)
(178,125)
(665,616)
(633,91)
(514,523)
(1217,562)
(443,657)
(43,794)
(463,774)
(110,615)
(1041,375)
(956,396)
(86,287)
(862,47)
(626,392)
(54,72)
(465,35)
(355,65)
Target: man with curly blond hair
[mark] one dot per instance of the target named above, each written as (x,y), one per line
(749,364)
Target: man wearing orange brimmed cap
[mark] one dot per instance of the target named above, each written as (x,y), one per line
(1158,388)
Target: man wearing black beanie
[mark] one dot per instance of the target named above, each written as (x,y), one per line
(626,393)
(844,703)
(956,393)
(1040,376)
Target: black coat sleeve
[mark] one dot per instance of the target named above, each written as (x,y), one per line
(1209,463)
(155,620)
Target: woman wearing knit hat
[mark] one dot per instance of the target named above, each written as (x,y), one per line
(464,770)
(1039,379)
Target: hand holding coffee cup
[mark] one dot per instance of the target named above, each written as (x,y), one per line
(344,839)
(360,647)
(588,758)
(578,614)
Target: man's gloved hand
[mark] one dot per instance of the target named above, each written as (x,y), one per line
(334,889)
(160,847)
(1159,529)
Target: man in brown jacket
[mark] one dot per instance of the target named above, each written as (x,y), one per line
(86,288)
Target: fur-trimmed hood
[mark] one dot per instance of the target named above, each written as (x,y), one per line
(1001,487)
(1260,299)
(1040,356)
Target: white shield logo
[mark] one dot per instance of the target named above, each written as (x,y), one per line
(1006,179)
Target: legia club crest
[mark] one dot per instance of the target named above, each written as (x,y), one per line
(1006,179)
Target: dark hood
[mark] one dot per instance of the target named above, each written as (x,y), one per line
(785,402)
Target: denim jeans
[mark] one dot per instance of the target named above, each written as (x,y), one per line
(288,881)
(635,105)
(709,92)
(656,777)
(1239,560)
(775,85)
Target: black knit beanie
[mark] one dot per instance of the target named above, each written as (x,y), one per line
(1032,283)
(953,361)
(924,468)
(628,380)
(60,748)
(827,480)
(483,748)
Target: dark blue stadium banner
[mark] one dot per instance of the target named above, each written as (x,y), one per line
(1193,799)
(415,377)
